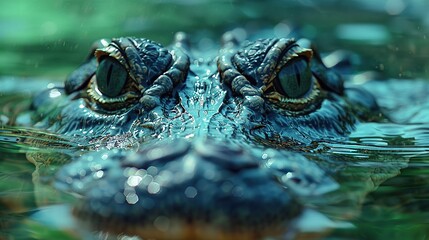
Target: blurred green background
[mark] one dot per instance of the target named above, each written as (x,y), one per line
(50,37)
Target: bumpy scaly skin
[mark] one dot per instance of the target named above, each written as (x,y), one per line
(216,147)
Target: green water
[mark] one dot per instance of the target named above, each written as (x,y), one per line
(43,41)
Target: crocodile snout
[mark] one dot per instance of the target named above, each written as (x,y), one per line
(179,189)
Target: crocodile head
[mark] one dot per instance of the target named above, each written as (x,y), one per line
(179,143)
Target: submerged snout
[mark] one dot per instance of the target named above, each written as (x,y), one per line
(181,190)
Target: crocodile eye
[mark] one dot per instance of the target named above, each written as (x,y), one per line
(278,71)
(111,88)
(132,72)
(111,77)
(294,79)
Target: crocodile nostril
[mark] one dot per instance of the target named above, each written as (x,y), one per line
(226,156)
(159,153)
(230,157)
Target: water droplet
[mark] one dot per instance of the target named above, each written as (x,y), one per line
(147,179)
(82,172)
(153,188)
(134,181)
(95,167)
(54,93)
(98,174)
(286,177)
(264,156)
(152,170)
(132,198)
(191,192)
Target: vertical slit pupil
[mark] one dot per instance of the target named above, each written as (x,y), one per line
(111,77)
(294,79)
(298,74)
(109,74)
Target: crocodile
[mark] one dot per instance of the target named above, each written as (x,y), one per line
(176,143)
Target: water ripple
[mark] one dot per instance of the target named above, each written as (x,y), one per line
(19,139)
